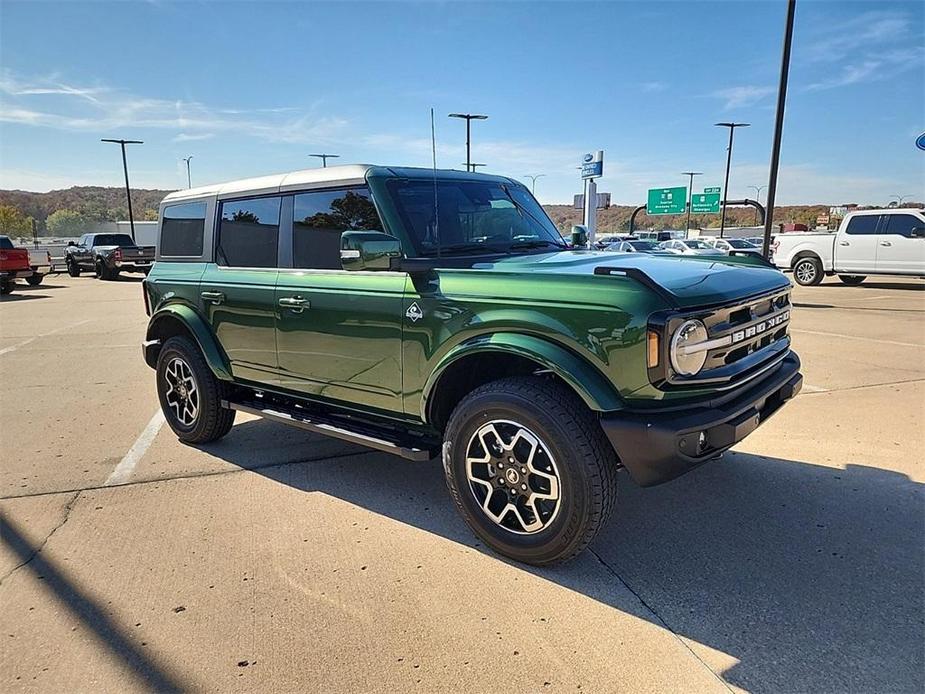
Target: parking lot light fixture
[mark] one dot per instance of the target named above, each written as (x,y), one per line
(533,178)
(732,127)
(690,194)
(468,117)
(757,190)
(128,193)
(473,166)
(189,182)
(324,158)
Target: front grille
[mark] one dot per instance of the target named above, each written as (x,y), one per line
(744,339)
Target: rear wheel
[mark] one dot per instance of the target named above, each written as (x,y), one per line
(808,271)
(529,469)
(7,286)
(35,279)
(189,393)
(104,273)
(852,280)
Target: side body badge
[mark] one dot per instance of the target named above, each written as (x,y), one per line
(414,312)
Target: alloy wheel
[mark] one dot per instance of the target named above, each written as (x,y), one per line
(182,394)
(806,272)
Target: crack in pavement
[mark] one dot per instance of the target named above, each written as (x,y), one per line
(659,619)
(67,514)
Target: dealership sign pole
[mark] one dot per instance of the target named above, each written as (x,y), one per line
(592,166)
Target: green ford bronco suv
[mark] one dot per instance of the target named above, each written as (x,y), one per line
(440,313)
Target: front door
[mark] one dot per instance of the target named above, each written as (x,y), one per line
(339,332)
(238,290)
(856,249)
(899,251)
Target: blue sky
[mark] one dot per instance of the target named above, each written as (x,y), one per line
(253,88)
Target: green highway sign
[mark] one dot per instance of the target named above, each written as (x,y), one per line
(706,202)
(667,200)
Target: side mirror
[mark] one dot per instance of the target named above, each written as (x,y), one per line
(917,232)
(579,236)
(368,250)
(71,243)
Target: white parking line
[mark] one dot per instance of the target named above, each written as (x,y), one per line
(126,466)
(13,348)
(855,337)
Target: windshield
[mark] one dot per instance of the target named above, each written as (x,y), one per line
(739,243)
(697,243)
(113,240)
(472,217)
(644,245)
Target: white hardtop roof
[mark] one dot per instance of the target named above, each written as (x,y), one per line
(888,210)
(294,180)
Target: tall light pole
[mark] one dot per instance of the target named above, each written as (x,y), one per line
(324,158)
(778,126)
(757,190)
(900,199)
(533,178)
(128,193)
(690,195)
(469,117)
(732,128)
(189,181)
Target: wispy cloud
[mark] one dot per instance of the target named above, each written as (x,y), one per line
(836,42)
(745,95)
(654,86)
(876,66)
(192,137)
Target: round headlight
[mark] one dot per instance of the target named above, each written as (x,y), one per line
(685,360)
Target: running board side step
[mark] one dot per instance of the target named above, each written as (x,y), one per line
(320,426)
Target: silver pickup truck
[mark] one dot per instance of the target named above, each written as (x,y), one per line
(107,255)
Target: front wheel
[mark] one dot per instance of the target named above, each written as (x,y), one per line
(852,280)
(530,469)
(190,394)
(808,271)
(72,268)
(34,280)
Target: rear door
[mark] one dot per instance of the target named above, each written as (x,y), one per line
(898,251)
(339,332)
(856,247)
(82,252)
(237,290)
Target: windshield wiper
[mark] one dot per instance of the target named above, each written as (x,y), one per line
(536,243)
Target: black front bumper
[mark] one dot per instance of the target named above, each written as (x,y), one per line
(656,446)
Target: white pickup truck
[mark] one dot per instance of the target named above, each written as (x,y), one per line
(868,242)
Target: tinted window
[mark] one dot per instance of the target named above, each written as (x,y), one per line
(5,243)
(862,224)
(320,217)
(182,228)
(902,224)
(113,240)
(248,235)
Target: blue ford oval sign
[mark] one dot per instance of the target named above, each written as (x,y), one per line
(589,158)
(920,142)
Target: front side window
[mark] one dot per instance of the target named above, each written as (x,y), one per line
(320,217)
(182,229)
(863,225)
(903,224)
(696,243)
(464,217)
(248,234)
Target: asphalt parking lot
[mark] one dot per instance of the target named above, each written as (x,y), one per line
(274,560)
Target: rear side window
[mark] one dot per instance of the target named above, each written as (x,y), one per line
(863,225)
(902,224)
(248,234)
(182,230)
(320,217)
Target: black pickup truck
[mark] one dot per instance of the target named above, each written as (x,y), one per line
(107,255)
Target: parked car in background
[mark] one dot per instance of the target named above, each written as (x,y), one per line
(605,240)
(734,246)
(867,242)
(689,247)
(14,264)
(637,246)
(657,235)
(40,262)
(107,255)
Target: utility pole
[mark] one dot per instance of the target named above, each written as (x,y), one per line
(324,158)
(778,126)
(468,117)
(757,190)
(128,193)
(189,182)
(533,178)
(690,195)
(732,127)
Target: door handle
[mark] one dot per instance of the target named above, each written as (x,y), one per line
(885,243)
(843,243)
(213,297)
(296,304)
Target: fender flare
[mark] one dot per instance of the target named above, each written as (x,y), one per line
(582,377)
(196,325)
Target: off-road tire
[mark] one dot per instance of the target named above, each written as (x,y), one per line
(73,269)
(213,421)
(807,271)
(35,279)
(585,461)
(852,280)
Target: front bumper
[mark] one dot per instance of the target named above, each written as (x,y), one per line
(656,446)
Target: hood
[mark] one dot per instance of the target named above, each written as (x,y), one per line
(691,280)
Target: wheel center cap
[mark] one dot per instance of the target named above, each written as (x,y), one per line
(512,476)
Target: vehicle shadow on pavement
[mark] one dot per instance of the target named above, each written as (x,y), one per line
(809,576)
